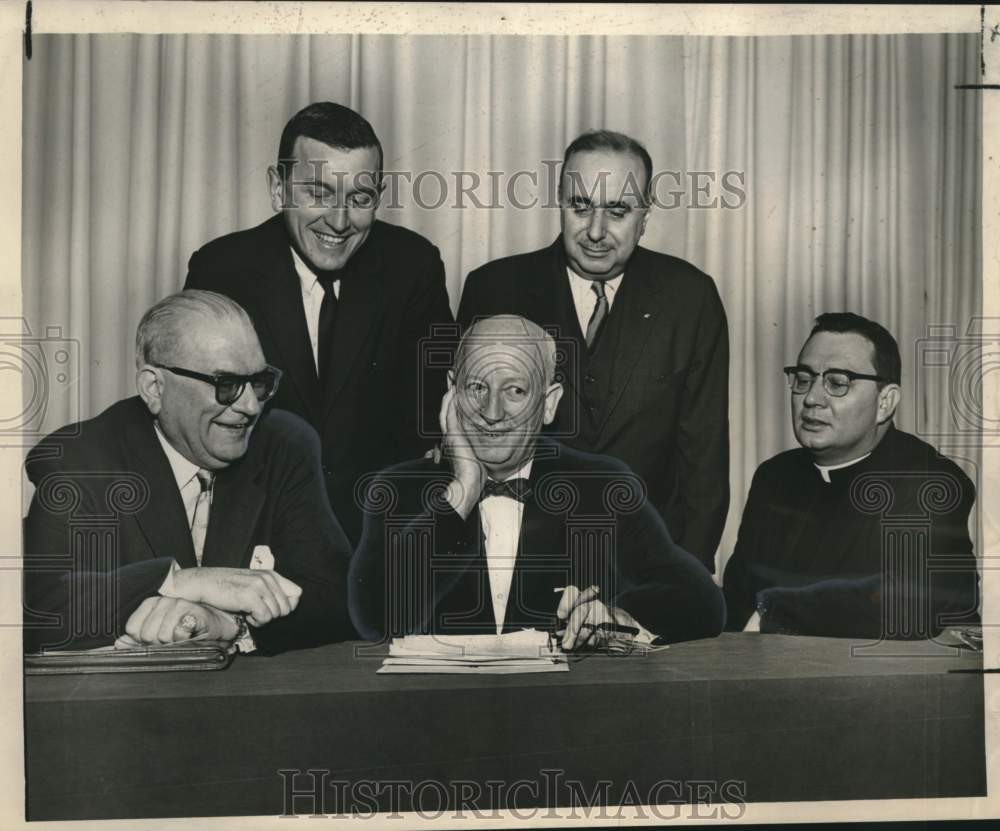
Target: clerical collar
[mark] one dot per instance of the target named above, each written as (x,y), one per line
(824,470)
(523,472)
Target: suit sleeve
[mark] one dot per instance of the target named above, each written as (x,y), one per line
(703,435)
(738,583)
(422,381)
(199,276)
(468,306)
(393,587)
(311,550)
(68,602)
(664,588)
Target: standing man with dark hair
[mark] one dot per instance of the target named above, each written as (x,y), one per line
(341,300)
(863,531)
(648,379)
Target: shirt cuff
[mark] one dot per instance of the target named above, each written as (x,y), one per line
(167,586)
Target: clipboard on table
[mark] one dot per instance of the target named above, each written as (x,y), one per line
(194,655)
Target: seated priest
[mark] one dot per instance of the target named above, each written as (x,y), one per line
(186,511)
(863,530)
(511,529)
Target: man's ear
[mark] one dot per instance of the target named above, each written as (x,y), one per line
(888,400)
(149,383)
(451,378)
(552,397)
(276,187)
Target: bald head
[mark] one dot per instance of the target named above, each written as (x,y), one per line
(510,332)
(504,390)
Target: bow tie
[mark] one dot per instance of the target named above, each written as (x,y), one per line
(518,489)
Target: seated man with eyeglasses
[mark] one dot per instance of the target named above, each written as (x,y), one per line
(187,511)
(863,531)
(514,530)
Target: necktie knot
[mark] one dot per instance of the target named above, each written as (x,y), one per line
(205,479)
(597,287)
(518,489)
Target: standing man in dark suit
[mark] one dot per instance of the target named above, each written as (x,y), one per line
(340,299)
(514,529)
(646,367)
(184,511)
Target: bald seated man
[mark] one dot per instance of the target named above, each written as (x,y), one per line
(511,529)
(187,511)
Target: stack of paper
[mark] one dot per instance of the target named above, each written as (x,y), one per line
(512,652)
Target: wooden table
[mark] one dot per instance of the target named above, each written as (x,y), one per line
(743,716)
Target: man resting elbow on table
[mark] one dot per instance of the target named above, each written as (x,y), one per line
(208,517)
(514,529)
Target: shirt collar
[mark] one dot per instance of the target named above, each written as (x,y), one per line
(184,470)
(581,287)
(824,470)
(306,275)
(523,472)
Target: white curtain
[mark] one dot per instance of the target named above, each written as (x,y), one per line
(859,160)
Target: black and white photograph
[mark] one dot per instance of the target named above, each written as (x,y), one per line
(499,415)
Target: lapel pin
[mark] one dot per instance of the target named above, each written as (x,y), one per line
(645,316)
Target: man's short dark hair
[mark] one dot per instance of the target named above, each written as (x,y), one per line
(597,140)
(332,124)
(885,350)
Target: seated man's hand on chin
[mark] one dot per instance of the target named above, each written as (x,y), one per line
(161,620)
(260,594)
(584,614)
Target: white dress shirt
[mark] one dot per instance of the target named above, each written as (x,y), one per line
(186,475)
(500,517)
(312,300)
(584,298)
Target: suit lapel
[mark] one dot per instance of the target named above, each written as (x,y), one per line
(237,499)
(637,308)
(358,309)
(552,301)
(162,519)
(279,301)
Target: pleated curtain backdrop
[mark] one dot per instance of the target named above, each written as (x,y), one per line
(859,162)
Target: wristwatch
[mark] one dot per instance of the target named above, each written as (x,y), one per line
(243,640)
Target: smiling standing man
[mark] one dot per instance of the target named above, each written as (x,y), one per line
(863,531)
(648,378)
(185,511)
(341,300)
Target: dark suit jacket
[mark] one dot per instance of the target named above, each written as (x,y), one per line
(880,551)
(421,569)
(379,399)
(107,519)
(654,393)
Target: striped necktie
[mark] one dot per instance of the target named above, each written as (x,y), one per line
(199,521)
(600,312)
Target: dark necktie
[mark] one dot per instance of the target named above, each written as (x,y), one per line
(600,312)
(518,489)
(327,317)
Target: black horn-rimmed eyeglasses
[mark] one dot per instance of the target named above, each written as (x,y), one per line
(836,382)
(229,386)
